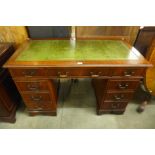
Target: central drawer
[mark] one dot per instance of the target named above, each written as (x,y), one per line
(78,72)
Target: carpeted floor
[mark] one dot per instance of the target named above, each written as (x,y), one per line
(77,110)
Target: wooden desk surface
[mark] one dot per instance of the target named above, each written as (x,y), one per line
(70,53)
(115,67)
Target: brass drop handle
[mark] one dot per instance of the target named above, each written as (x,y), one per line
(123,86)
(36,98)
(118,97)
(32,87)
(95,75)
(62,75)
(128,73)
(29,72)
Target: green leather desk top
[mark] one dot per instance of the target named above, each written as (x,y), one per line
(48,50)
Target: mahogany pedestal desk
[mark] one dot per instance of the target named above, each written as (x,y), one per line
(115,67)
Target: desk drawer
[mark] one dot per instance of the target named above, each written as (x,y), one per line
(118,96)
(32,85)
(38,101)
(78,72)
(128,72)
(36,98)
(113,105)
(122,84)
(40,106)
(27,72)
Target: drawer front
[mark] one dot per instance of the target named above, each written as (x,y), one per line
(32,85)
(113,105)
(37,98)
(78,72)
(41,106)
(118,97)
(128,72)
(122,85)
(27,72)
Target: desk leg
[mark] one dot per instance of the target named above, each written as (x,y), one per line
(144,97)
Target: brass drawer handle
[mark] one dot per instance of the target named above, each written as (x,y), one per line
(63,75)
(116,97)
(29,72)
(33,87)
(123,86)
(36,98)
(95,75)
(128,73)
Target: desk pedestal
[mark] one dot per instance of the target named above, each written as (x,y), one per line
(113,95)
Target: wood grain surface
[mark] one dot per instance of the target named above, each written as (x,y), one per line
(129,33)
